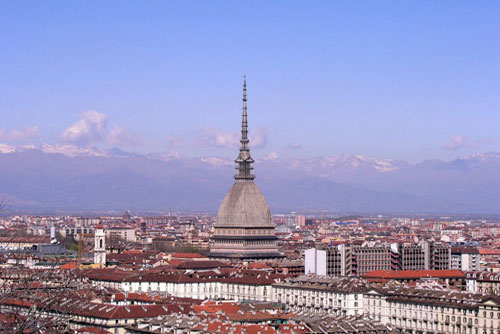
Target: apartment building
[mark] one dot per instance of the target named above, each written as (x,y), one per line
(76,231)
(419,310)
(359,259)
(235,286)
(28,242)
(115,234)
(483,282)
(322,294)
(439,255)
(333,261)
(465,258)
(412,256)
(369,257)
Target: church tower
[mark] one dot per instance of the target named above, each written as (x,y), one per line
(100,246)
(244,228)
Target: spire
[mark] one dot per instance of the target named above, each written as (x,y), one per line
(244,161)
(244,121)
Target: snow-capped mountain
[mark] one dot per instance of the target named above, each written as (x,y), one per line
(216,161)
(67,150)
(73,178)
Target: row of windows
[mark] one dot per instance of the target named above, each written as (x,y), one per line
(245,231)
(232,289)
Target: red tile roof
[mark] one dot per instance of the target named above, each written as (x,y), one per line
(258,265)
(413,274)
(187,256)
(213,307)
(485,251)
(227,327)
(68,266)
(92,330)
(76,306)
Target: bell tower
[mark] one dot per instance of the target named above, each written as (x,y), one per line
(100,246)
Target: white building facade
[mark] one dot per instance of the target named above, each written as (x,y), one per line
(333,295)
(429,311)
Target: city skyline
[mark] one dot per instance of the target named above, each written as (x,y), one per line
(400,81)
(204,167)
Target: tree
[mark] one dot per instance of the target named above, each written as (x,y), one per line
(28,298)
(67,241)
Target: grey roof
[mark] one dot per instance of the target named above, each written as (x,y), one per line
(244,206)
(332,324)
(327,283)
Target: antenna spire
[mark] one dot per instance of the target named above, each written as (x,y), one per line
(244,161)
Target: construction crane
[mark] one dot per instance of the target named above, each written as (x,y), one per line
(80,247)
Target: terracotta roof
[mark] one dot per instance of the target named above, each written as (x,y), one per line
(77,306)
(229,327)
(188,256)
(436,297)
(133,251)
(485,251)
(258,265)
(252,277)
(464,250)
(32,239)
(204,264)
(413,274)
(213,307)
(68,266)
(175,263)
(336,284)
(92,330)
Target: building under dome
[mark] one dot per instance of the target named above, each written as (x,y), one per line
(244,228)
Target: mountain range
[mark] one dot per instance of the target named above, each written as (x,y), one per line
(50,178)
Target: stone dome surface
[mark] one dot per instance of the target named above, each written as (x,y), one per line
(244,206)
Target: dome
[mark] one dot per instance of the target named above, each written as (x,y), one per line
(244,206)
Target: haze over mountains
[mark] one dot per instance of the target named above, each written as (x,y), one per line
(54,177)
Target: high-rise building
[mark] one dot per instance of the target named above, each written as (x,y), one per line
(366,258)
(300,221)
(244,228)
(332,261)
(465,258)
(359,259)
(440,256)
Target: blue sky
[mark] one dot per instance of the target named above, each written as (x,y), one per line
(409,80)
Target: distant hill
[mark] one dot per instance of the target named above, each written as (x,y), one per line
(67,178)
